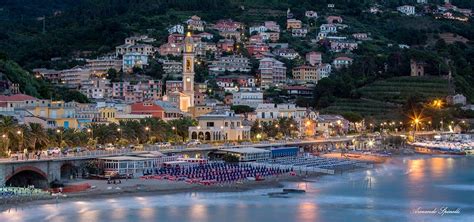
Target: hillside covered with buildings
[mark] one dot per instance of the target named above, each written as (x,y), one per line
(256,61)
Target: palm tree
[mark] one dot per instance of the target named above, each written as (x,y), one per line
(38,137)
(9,128)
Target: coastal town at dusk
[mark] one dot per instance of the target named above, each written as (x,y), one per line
(236,110)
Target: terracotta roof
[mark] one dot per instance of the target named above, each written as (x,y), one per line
(297,88)
(343,58)
(149,106)
(17,97)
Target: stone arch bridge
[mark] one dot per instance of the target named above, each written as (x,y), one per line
(44,171)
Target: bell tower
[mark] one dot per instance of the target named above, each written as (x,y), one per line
(188,68)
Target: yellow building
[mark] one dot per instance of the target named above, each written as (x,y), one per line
(293,24)
(197,111)
(306,74)
(57,113)
(108,114)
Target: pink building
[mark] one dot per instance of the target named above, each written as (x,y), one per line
(225,45)
(314,58)
(334,19)
(228,25)
(272,26)
(146,90)
(257,48)
(174,86)
(272,72)
(170,49)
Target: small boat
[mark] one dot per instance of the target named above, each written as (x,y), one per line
(278,194)
(291,190)
(469,151)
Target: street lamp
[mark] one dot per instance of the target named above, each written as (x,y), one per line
(438,103)
(20,133)
(416,121)
(175,133)
(4,137)
(147,129)
(91,132)
(120,132)
(60,137)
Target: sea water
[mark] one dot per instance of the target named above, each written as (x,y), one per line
(415,188)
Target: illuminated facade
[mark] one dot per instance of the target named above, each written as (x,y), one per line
(188,69)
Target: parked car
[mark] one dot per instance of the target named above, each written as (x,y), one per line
(163,144)
(78,149)
(67,150)
(53,151)
(193,143)
(109,147)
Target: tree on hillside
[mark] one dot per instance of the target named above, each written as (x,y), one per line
(239,109)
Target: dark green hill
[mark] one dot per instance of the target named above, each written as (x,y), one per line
(399,89)
(384,99)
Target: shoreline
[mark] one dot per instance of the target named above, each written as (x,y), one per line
(141,187)
(154,188)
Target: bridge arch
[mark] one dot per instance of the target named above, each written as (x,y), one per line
(27,175)
(68,169)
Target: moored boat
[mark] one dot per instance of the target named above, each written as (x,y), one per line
(291,190)
(438,150)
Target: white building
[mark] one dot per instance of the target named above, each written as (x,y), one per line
(406,9)
(97,88)
(233,63)
(135,59)
(248,153)
(137,39)
(457,99)
(286,53)
(268,112)
(75,76)
(258,29)
(219,126)
(342,61)
(300,33)
(173,68)
(144,49)
(328,28)
(247,98)
(195,23)
(101,65)
(324,70)
(311,14)
(176,29)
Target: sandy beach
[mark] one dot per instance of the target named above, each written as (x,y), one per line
(144,187)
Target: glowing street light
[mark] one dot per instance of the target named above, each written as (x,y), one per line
(371,143)
(437,103)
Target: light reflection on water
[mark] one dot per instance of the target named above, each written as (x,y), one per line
(389,192)
(307,211)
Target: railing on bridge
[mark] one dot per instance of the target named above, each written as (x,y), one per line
(177,148)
